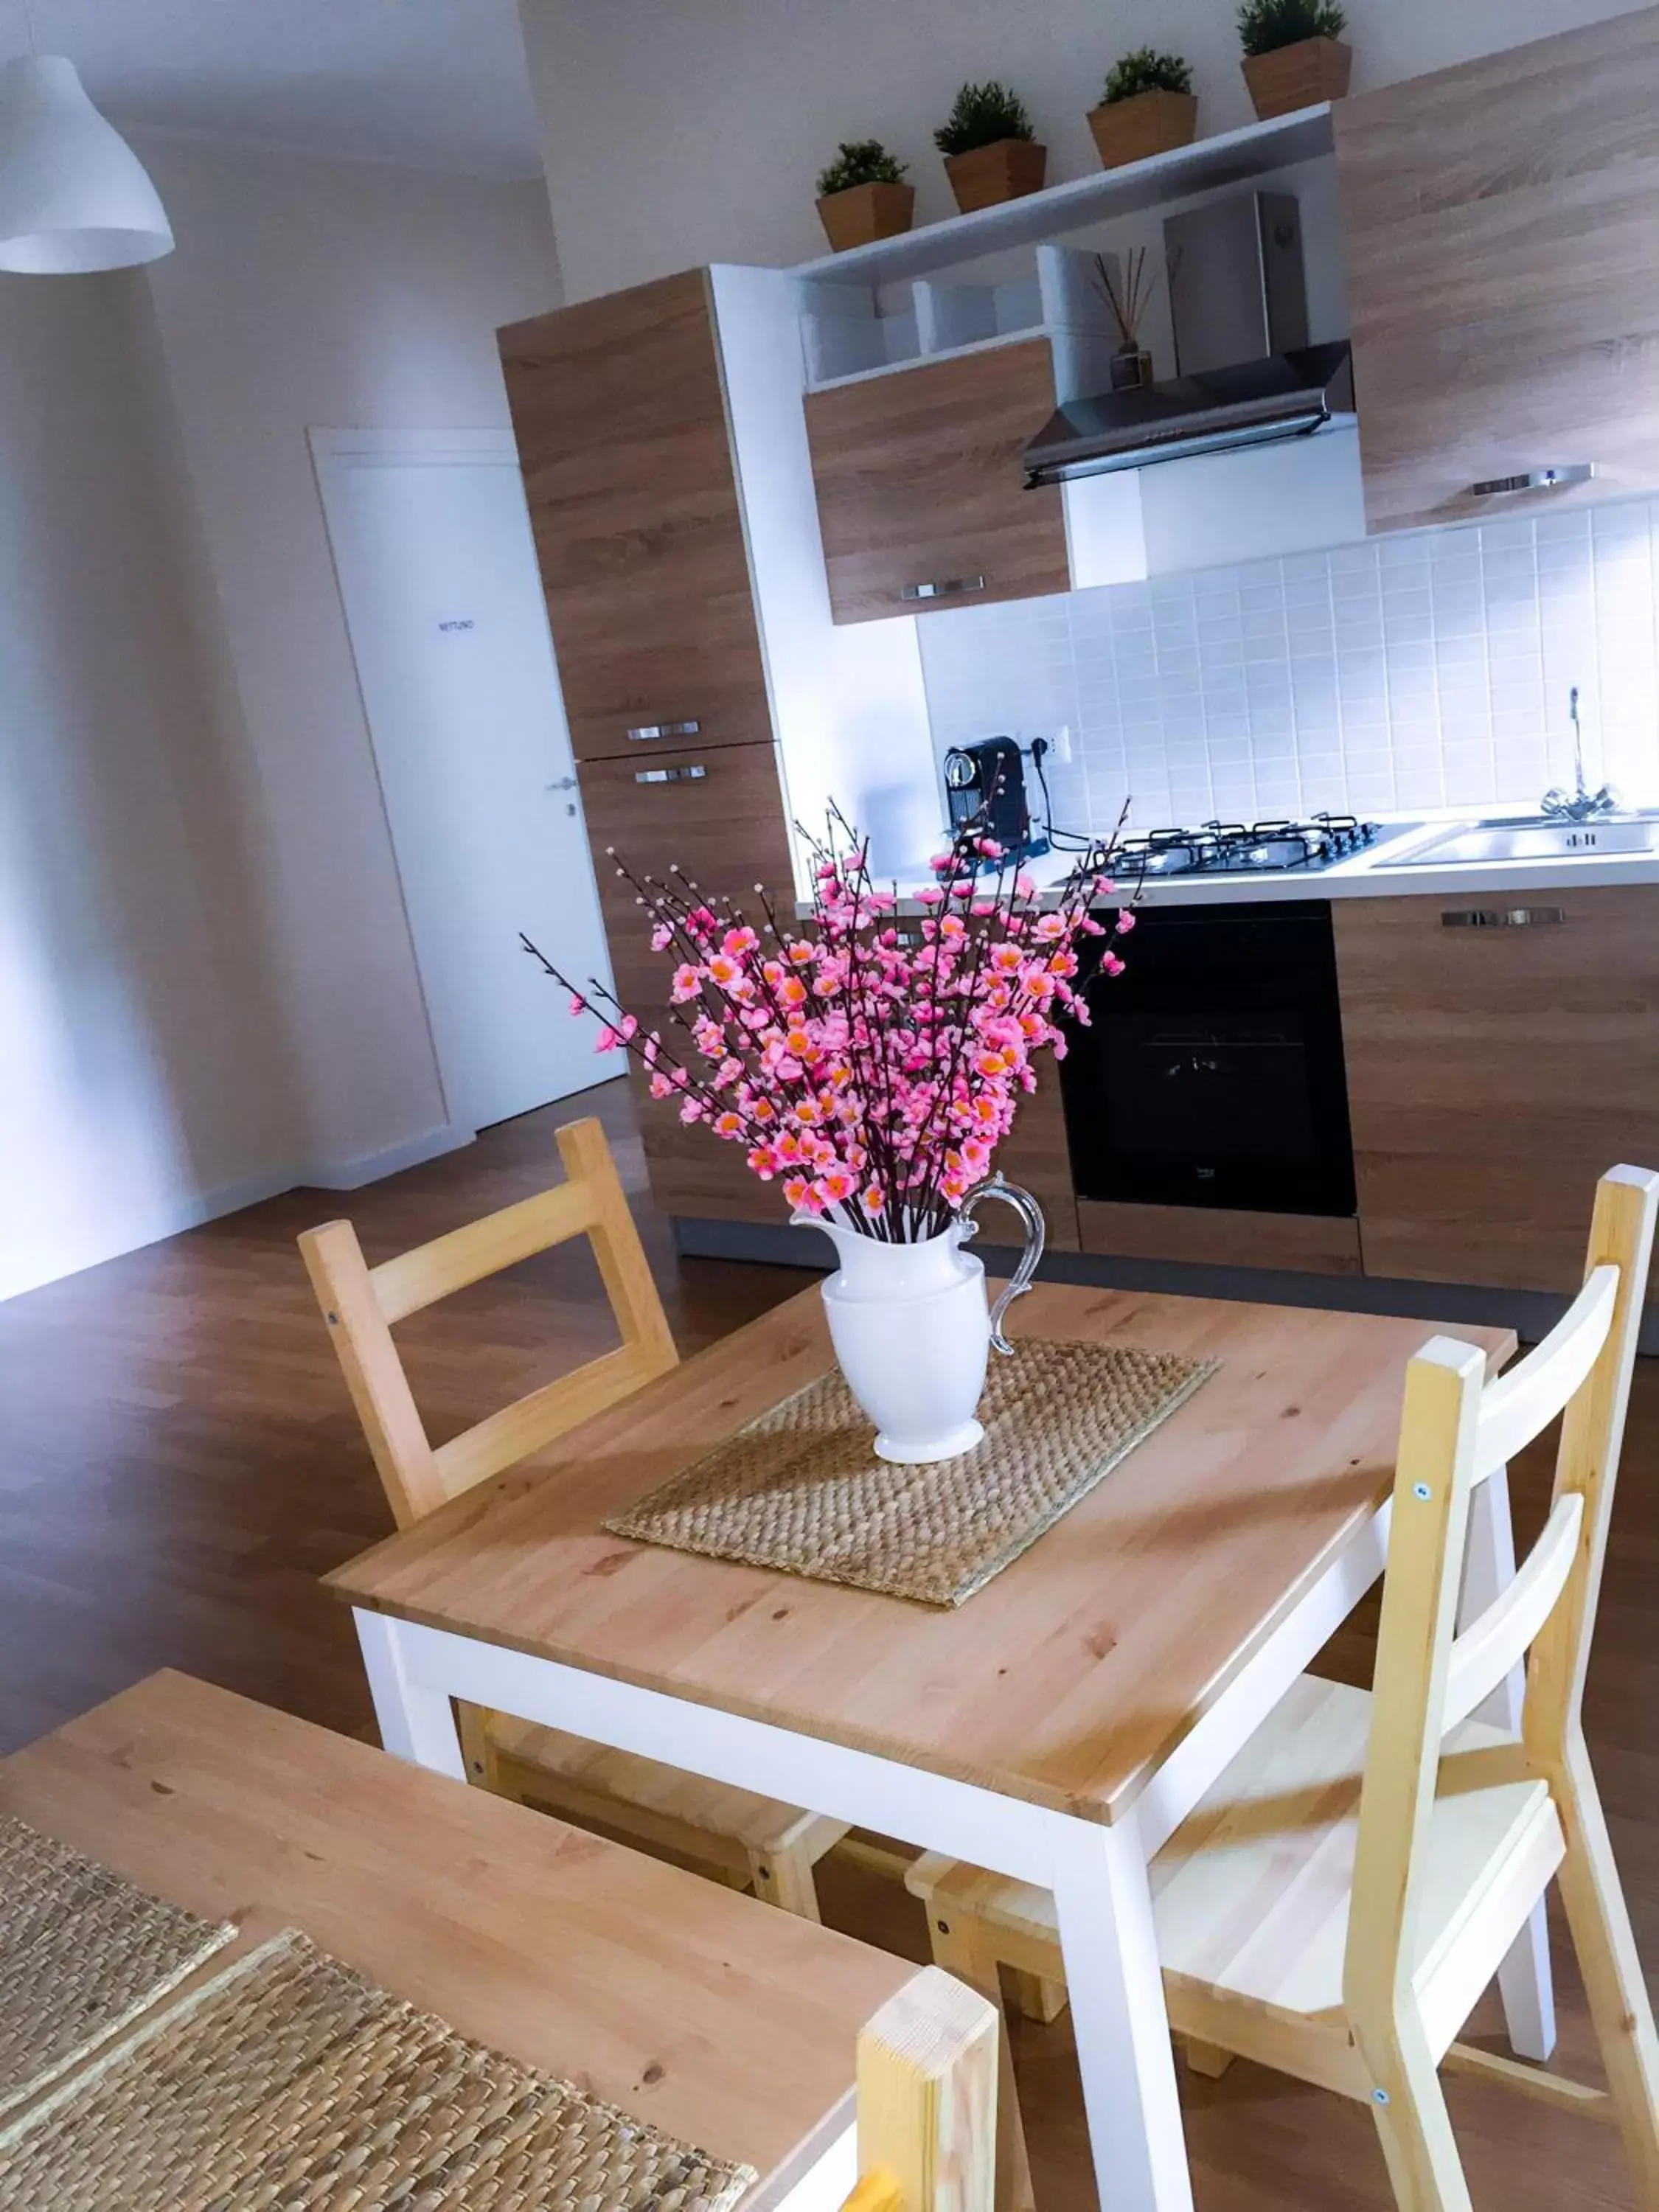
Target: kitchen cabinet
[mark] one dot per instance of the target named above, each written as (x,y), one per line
(718,815)
(1503,1051)
(620,416)
(619,409)
(1500,228)
(920,498)
(1034,1155)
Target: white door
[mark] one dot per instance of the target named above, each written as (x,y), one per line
(437,570)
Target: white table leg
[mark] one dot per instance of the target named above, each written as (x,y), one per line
(1524,1979)
(1104,1910)
(416,1723)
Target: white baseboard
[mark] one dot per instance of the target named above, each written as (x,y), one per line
(370,1167)
(151,1228)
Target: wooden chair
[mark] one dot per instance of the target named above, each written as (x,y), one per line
(928,2101)
(740,1839)
(1339,1900)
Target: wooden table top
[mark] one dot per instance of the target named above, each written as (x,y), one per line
(1065,1682)
(727,2022)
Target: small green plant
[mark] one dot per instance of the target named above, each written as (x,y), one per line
(1147,70)
(984,115)
(859,162)
(1264,25)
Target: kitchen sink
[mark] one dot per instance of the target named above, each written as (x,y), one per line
(1532,840)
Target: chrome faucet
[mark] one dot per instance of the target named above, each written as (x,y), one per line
(1580,805)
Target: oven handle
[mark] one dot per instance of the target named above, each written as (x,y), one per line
(1036,1236)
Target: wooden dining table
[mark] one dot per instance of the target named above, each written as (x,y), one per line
(724,2022)
(1057,1727)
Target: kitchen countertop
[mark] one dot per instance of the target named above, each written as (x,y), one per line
(1361,877)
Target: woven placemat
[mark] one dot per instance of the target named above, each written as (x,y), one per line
(82,1952)
(291,2084)
(802,1490)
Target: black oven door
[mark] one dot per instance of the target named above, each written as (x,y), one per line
(1212,1073)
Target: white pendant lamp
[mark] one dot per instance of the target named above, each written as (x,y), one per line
(74,197)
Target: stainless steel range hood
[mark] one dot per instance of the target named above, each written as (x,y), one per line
(1286,395)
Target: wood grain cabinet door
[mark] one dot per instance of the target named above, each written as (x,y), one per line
(620,417)
(920,495)
(718,815)
(1504,275)
(1496,1068)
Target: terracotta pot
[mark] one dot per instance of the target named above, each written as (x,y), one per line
(863,213)
(1146,123)
(1301,75)
(1007,171)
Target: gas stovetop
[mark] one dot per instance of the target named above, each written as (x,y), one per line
(1229,848)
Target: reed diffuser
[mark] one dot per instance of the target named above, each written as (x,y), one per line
(1128,294)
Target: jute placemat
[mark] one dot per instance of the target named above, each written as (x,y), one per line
(800,1489)
(81,1953)
(291,2084)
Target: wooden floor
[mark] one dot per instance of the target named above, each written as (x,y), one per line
(178,1463)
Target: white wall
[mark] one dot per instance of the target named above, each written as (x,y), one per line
(341,296)
(681,131)
(142,1061)
(207,988)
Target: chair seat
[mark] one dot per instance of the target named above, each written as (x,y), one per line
(1250,1895)
(759,1824)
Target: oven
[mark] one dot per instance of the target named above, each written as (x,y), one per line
(1212,1073)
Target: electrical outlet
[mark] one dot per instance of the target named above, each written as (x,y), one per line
(1063,745)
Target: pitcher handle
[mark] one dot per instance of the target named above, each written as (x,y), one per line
(1036,1234)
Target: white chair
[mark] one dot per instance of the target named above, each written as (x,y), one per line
(1335,1905)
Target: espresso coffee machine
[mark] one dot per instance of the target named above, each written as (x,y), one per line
(985,791)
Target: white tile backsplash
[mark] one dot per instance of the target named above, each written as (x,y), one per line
(1410,673)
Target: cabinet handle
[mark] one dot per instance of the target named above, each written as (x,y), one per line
(647,730)
(693,774)
(1569,472)
(943,587)
(1511,917)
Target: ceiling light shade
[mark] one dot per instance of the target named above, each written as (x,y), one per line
(74,196)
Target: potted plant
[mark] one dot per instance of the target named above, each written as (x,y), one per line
(990,150)
(1294,55)
(862,195)
(870,1075)
(1148,107)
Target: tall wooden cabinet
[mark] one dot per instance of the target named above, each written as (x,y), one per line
(1501,228)
(620,416)
(920,499)
(1503,1051)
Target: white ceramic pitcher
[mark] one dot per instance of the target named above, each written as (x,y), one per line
(911,1328)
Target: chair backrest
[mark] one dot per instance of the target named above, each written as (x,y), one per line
(1457,1430)
(928,2100)
(359,1303)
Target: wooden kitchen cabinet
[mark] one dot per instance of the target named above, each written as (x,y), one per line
(620,418)
(1495,1071)
(1501,274)
(1034,1154)
(920,497)
(718,815)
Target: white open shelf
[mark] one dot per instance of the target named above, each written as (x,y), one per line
(1231,157)
(853,332)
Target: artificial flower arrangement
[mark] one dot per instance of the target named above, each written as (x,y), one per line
(869,1064)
